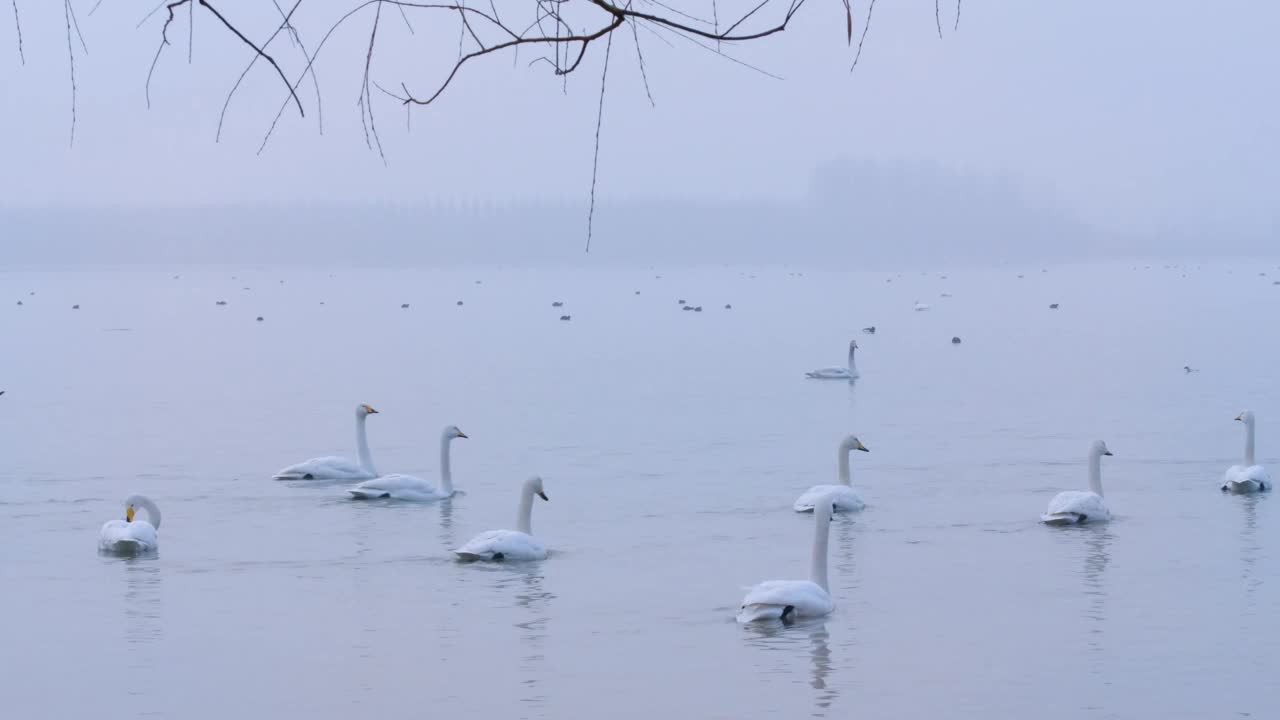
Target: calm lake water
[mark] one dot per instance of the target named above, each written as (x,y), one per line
(672,444)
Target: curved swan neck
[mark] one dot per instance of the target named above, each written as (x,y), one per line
(822,524)
(524,517)
(1095,471)
(1248,442)
(446,477)
(362,445)
(843,463)
(153,512)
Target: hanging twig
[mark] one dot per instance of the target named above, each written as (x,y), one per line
(870,7)
(71,55)
(595,158)
(17,22)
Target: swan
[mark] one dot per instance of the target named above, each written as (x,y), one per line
(791,599)
(518,544)
(921,307)
(408,487)
(843,496)
(1075,507)
(337,468)
(838,373)
(130,536)
(1248,477)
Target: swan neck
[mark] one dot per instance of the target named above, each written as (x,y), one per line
(822,524)
(853,366)
(525,516)
(1248,443)
(362,446)
(843,464)
(446,477)
(1095,472)
(153,512)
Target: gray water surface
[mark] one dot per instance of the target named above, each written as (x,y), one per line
(672,444)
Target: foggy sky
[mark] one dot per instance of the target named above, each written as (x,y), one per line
(1115,120)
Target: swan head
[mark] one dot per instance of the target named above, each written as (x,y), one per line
(853,345)
(1245,417)
(452,432)
(535,484)
(1100,448)
(131,505)
(853,443)
(128,514)
(363,410)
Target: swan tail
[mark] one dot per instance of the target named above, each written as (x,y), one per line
(1062,518)
(757,612)
(464,556)
(1245,486)
(368,493)
(125,547)
(292,476)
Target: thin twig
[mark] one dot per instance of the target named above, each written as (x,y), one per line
(71,54)
(595,158)
(235,31)
(284,24)
(957,27)
(865,28)
(640,55)
(17,21)
(937,16)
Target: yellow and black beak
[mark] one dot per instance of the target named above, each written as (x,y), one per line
(369,410)
(462,434)
(1108,453)
(128,514)
(543,495)
(1240,417)
(861,447)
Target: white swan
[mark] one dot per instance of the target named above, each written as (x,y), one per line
(838,373)
(337,468)
(130,536)
(921,307)
(518,544)
(791,599)
(408,487)
(843,495)
(1074,507)
(1248,477)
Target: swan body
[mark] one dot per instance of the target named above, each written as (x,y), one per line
(1249,477)
(921,307)
(131,536)
(1076,507)
(518,544)
(788,600)
(843,497)
(849,372)
(338,468)
(408,487)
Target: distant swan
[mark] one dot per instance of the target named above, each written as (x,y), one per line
(130,536)
(921,307)
(838,373)
(1074,507)
(787,600)
(518,544)
(843,496)
(1249,477)
(337,468)
(408,487)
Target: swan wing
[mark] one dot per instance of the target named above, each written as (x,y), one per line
(829,373)
(846,498)
(324,468)
(782,599)
(400,487)
(1240,478)
(502,545)
(127,537)
(1076,506)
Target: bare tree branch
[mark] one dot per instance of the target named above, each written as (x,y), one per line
(71,55)
(870,8)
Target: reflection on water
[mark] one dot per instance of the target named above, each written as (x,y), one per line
(527,580)
(1249,550)
(143,620)
(810,635)
(1097,556)
(446,524)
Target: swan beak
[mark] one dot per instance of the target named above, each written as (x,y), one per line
(1108,453)
(1240,417)
(369,410)
(128,514)
(861,447)
(462,435)
(543,495)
